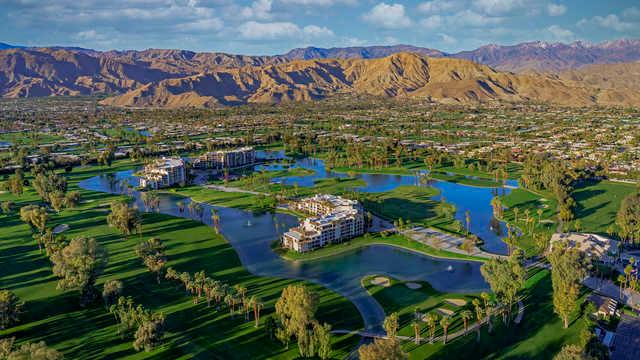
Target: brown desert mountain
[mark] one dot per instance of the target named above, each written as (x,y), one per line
(440,80)
(183,78)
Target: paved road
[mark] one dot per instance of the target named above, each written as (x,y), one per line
(445,241)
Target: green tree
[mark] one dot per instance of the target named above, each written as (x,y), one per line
(152,254)
(444,323)
(123,218)
(295,310)
(78,265)
(506,278)
(34,351)
(111,292)
(567,273)
(571,352)
(36,217)
(628,218)
(10,309)
(432,321)
(322,335)
(149,333)
(391,324)
(387,349)
(466,315)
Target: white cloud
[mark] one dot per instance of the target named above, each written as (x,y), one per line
(253,30)
(211,24)
(471,18)
(560,33)
(497,7)
(259,9)
(556,9)
(447,39)
(611,21)
(432,22)
(320,3)
(631,13)
(388,16)
(314,31)
(437,6)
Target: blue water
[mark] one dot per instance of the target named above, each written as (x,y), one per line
(251,236)
(476,200)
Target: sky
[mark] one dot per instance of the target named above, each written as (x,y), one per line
(268,27)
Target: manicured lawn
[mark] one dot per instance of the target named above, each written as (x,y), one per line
(29,138)
(540,335)
(193,331)
(411,203)
(405,301)
(598,204)
(396,240)
(239,200)
(525,200)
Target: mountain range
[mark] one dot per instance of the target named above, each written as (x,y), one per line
(574,74)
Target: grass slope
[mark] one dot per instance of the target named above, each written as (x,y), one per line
(193,331)
(598,204)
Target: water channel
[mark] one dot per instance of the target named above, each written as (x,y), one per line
(251,236)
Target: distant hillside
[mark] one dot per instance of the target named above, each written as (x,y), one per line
(4,46)
(607,76)
(552,57)
(400,75)
(358,52)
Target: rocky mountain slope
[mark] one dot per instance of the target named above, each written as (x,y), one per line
(400,75)
(607,76)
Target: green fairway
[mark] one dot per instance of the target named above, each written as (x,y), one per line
(598,204)
(539,336)
(413,203)
(193,331)
(30,138)
(398,297)
(528,202)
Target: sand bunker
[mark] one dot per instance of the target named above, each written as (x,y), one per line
(456,302)
(413,286)
(60,228)
(446,312)
(381,281)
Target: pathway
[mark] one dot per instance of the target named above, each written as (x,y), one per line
(443,241)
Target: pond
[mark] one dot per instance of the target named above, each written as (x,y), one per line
(251,236)
(475,200)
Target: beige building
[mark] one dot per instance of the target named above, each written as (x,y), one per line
(163,172)
(226,159)
(596,246)
(334,219)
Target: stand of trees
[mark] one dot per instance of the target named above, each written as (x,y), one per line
(295,312)
(628,219)
(123,218)
(506,278)
(568,271)
(10,309)
(149,325)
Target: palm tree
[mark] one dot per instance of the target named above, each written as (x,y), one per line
(479,316)
(257,306)
(445,322)
(487,308)
(516,211)
(416,330)
(467,218)
(622,280)
(466,315)
(432,320)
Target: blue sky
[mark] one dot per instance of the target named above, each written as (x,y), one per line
(275,26)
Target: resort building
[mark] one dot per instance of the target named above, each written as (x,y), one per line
(163,172)
(596,246)
(334,219)
(226,159)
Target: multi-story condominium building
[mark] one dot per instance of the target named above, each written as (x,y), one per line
(163,172)
(226,159)
(334,220)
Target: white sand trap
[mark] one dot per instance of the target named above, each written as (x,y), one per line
(60,228)
(381,281)
(456,302)
(446,312)
(413,286)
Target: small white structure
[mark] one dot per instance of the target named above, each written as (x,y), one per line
(596,246)
(335,220)
(163,172)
